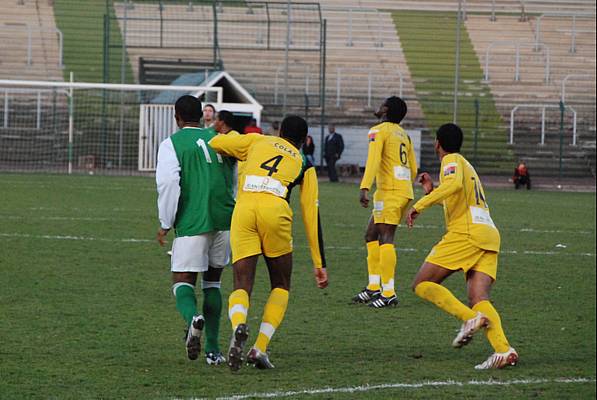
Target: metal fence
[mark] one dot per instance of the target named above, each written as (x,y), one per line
(218,32)
(294,58)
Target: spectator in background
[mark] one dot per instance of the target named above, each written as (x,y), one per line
(209,114)
(521,176)
(252,127)
(332,150)
(275,129)
(309,149)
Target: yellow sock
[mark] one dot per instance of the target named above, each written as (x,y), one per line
(273,314)
(387,261)
(238,307)
(494,332)
(444,299)
(373,266)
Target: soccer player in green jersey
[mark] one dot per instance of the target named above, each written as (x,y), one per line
(195,198)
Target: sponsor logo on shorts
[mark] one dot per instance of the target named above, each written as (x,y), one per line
(378,206)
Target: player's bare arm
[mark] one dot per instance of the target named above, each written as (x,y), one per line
(426,182)
(321,277)
(364,198)
(411,216)
(161,236)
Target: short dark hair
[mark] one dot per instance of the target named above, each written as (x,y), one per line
(450,137)
(295,129)
(227,117)
(396,109)
(188,108)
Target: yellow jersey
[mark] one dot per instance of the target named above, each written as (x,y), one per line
(273,166)
(465,205)
(391,160)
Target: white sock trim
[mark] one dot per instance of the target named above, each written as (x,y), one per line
(374,279)
(267,329)
(388,285)
(237,308)
(210,284)
(179,284)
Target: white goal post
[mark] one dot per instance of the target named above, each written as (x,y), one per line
(85,126)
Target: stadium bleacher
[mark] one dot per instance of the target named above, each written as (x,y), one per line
(534,87)
(365,62)
(30,43)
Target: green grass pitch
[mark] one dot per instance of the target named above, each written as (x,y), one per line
(87,312)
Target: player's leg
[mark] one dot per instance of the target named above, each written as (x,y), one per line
(427,285)
(246,247)
(219,257)
(373,289)
(189,257)
(274,222)
(479,285)
(238,307)
(280,271)
(183,288)
(387,261)
(212,312)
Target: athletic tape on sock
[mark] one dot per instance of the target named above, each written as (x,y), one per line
(388,285)
(210,284)
(179,284)
(374,279)
(267,329)
(237,308)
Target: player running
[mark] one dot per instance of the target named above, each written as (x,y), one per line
(471,244)
(195,198)
(262,224)
(392,163)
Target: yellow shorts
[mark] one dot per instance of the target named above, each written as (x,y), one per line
(388,207)
(261,223)
(455,252)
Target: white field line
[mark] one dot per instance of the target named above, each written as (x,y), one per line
(68,218)
(84,187)
(514,252)
(86,210)
(523,230)
(18,217)
(416,385)
(67,237)
(399,249)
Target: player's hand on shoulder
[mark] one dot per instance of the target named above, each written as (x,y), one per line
(411,216)
(426,182)
(364,198)
(321,277)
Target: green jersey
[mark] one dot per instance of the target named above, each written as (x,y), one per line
(195,184)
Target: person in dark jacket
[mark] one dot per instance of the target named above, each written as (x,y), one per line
(332,151)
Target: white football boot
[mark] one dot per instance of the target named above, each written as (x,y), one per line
(259,359)
(193,340)
(499,360)
(468,329)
